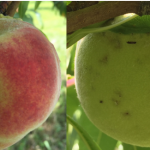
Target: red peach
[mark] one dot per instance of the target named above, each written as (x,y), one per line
(30,79)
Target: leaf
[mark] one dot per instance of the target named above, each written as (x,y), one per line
(107,142)
(37,3)
(88,126)
(90,143)
(98,27)
(142,148)
(136,25)
(23,8)
(72,100)
(128,147)
(61,6)
(132,147)
(68,2)
(70,59)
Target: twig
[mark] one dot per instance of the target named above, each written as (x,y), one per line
(12,8)
(104,11)
(3,6)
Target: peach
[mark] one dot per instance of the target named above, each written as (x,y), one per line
(30,79)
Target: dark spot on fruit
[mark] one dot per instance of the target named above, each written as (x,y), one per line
(104,60)
(118,93)
(126,113)
(117,45)
(131,42)
(101,101)
(115,101)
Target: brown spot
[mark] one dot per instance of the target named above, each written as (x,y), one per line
(118,93)
(104,60)
(126,113)
(131,42)
(115,101)
(101,101)
(117,45)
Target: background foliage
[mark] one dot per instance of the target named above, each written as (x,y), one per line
(49,17)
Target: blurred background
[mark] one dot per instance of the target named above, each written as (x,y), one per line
(50,18)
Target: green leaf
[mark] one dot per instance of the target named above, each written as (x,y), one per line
(83,120)
(68,2)
(72,100)
(142,148)
(128,147)
(70,59)
(136,25)
(61,6)
(132,147)
(107,142)
(37,3)
(98,27)
(23,8)
(90,143)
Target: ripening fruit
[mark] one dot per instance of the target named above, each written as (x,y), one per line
(112,73)
(30,79)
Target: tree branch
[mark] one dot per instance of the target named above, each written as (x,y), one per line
(12,8)
(104,11)
(3,6)
(76,5)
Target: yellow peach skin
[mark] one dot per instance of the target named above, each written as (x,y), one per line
(30,79)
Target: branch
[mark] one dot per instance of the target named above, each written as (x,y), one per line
(12,8)
(3,6)
(104,11)
(76,5)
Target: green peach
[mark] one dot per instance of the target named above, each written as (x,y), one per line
(112,73)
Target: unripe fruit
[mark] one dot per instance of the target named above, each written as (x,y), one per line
(30,79)
(112,73)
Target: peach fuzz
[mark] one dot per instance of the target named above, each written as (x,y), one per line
(30,79)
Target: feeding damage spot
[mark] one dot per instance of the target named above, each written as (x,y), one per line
(131,42)
(104,60)
(126,113)
(101,101)
(115,101)
(117,96)
(118,93)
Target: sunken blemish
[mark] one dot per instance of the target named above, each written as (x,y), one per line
(131,42)
(101,101)
(115,101)
(126,114)
(118,93)
(104,60)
